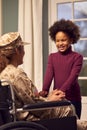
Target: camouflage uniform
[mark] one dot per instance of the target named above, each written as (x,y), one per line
(25,93)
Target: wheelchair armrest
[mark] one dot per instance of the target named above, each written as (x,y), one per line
(45,105)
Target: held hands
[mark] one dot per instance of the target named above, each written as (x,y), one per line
(43,93)
(56,95)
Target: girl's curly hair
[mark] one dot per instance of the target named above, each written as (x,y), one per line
(66,26)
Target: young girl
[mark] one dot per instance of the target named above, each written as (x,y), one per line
(65,65)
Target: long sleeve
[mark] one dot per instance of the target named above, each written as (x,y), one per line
(27,91)
(76,68)
(24,88)
(48,75)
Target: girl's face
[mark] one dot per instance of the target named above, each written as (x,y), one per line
(62,41)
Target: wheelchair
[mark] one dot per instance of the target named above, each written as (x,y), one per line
(8,112)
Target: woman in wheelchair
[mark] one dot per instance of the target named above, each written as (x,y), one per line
(11,56)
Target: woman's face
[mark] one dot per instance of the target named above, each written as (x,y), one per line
(20,55)
(62,41)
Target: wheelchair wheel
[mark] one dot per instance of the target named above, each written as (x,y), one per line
(22,125)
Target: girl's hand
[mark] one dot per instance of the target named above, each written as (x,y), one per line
(43,93)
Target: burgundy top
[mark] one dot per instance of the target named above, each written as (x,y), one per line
(64,68)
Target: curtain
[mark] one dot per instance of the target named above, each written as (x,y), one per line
(30,28)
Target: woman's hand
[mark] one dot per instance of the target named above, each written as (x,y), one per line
(56,95)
